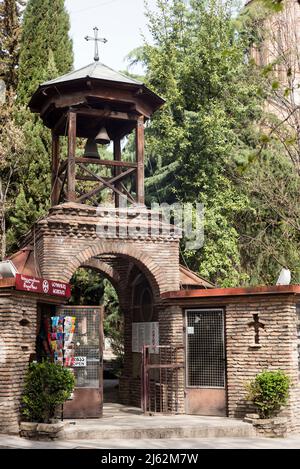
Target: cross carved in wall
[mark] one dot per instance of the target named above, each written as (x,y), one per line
(257,326)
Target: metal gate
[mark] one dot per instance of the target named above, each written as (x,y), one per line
(205,362)
(87,400)
(160,378)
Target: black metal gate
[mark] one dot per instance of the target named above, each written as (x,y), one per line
(160,378)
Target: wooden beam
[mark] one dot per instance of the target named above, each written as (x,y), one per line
(125,164)
(62,167)
(140,184)
(71,194)
(54,170)
(105,184)
(59,122)
(89,178)
(62,186)
(104,95)
(127,193)
(103,113)
(117,157)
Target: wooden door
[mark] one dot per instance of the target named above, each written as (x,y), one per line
(87,399)
(205,362)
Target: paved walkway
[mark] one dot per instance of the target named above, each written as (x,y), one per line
(190,443)
(125,427)
(122,422)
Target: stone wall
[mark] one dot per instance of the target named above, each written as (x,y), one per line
(18,315)
(171,333)
(277,349)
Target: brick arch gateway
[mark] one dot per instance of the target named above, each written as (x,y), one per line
(131,279)
(72,236)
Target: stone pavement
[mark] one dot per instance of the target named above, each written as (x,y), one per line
(123,422)
(291,442)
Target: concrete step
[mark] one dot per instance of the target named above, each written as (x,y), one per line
(156,427)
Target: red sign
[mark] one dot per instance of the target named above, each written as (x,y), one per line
(42,285)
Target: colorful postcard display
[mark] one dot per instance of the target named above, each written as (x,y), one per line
(62,345)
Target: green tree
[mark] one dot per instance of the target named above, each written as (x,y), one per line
(10,33)
(87,287)
(114,323)
(45,52)
(45,39)
(197,62)
(11,135)
(24,214)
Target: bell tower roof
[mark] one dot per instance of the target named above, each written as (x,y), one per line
(95,70)
(102,106)
(96,87)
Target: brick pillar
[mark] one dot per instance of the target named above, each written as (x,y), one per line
(277,350)
(17,341)
(171,333)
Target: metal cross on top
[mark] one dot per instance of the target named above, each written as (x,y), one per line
(96,39)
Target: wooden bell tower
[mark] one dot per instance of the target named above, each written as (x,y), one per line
(79,105)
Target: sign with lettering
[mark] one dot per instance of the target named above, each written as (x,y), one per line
(145,333)
(42,285)
(79,362)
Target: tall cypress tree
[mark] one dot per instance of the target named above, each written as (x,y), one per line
(11,136)
(45,34)
(10,32)
(45,53)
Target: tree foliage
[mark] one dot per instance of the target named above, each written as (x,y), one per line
(12,142)
(45,53)
(197,63)
(269,392)
(47,386)
(10,33)
(46,49)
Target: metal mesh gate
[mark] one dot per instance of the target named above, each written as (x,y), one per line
(205,353)
(87,342)
(160,378)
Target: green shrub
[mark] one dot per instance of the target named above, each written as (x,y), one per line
(269,391)
(47,385)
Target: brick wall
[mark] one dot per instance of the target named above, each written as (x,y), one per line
(277,349)
(73,235)
(18,315)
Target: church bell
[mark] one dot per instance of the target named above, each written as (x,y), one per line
(102,137)
(91,150)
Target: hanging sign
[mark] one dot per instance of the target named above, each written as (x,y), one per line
(42,285)
(145,333)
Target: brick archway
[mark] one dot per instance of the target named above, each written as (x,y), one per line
(104,269)
(70,236)
(146,264)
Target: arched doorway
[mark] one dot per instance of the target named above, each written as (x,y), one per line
(129,282)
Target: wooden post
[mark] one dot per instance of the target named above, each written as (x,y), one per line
(71,195)
(117,157)
(140,189)
(54,175)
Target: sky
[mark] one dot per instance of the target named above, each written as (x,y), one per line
(121,22)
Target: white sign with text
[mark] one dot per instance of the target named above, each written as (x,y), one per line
(79,362)
(145,333)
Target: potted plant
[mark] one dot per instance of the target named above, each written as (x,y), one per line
(47,386)
(269,392)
